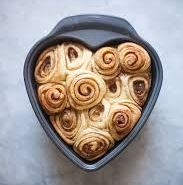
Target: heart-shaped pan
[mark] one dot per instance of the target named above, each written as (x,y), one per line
(93,31)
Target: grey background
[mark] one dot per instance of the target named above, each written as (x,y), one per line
(28,157)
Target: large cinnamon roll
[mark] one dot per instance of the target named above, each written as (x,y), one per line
(93,143)
(66,124)
(50,66)
(122,118)
(52,97)
(133,58)
(76,56)
(85,89)
(106,63)
(139,86)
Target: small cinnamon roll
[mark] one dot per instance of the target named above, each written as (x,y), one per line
(114,89)
(92,143)
(139,86)
(76,56)
(122,118)
(97,115)
(134,58)
(66,125)
(106,63)
(50,66)
(52,97)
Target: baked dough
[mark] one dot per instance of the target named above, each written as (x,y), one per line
(92,143)
(106,63)
(134,58)
(52,97)
(93,98)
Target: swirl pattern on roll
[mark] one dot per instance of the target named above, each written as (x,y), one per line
(66,124)
(114,89)
(122,118)
(85,89)
(134,58)
(76,56)
(106,63)
(93,143)
(97,115)
(52,97)
(50,66)
(139,87)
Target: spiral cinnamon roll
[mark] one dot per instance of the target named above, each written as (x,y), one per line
(122,118)
(50,66)
(52,97)
(76,56)
(66,125)
(106,63)
(114,89)
(139,86)
(85,89)
(97,115)
(93,143)
(133,58)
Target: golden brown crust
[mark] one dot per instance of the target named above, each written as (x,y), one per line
(92,143)
(52,97)
(122,118)
(85,89)
(97,115)
(76,56)
(67,125)
(93,99)
(50,66)
(133,58)
(106,63)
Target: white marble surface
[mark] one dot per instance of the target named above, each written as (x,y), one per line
(28,157)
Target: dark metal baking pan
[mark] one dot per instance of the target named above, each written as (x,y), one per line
(93,31)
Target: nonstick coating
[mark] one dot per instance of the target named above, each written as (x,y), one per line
(93,31)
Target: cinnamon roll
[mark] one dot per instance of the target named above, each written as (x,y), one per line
(50,66)
(85,89)
(93,143)
(52,97)
(122,118)
(76,56)
(106,63)
(97,115)
(66,125)
(134,58)
(114,89)
(139,86)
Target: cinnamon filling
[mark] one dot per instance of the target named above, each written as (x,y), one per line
(96,112)
(108,58)
(68,119)
(55,95)
(120,121)
(85,91)
(72,53)
(112,87)
(139,87)
(46,66)
(92,147)
(132,58)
